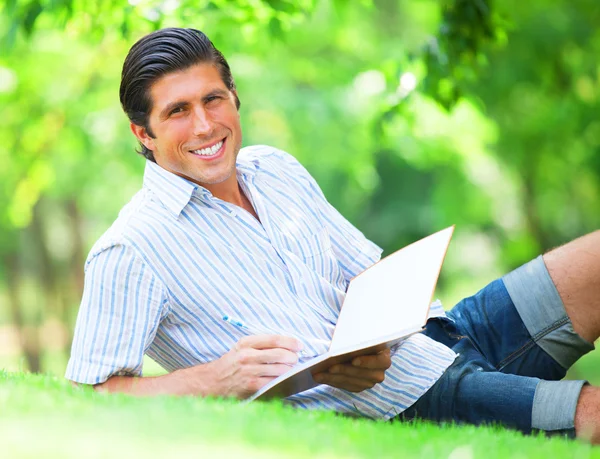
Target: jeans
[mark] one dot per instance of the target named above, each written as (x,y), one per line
(515,343)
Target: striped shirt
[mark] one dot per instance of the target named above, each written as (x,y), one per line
(177,260)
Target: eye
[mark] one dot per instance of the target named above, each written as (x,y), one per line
(176,110)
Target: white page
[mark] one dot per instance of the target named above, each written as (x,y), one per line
(393,294)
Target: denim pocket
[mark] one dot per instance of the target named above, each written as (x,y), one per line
(444,330)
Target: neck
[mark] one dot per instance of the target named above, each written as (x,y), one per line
(228,190)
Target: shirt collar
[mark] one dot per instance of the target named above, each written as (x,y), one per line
(175,192)
(247,165)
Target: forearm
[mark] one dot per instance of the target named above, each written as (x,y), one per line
(253,362)
(197,381)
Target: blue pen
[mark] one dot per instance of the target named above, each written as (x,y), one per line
(234,322)
(239,324)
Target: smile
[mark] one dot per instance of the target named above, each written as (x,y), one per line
(209,151)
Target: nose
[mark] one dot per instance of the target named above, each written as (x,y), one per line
(202,123)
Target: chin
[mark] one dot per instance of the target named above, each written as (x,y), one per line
(215,180)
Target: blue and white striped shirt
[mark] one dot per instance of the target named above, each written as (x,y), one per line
(177,260)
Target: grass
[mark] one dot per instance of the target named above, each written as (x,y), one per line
(43,416)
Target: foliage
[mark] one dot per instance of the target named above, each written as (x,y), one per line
(174,427)
(411,115)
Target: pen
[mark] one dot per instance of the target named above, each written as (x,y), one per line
(239,324)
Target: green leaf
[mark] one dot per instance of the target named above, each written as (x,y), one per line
(275,28)
(282,5)
(33,11)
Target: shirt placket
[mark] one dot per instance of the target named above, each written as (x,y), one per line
(237,213)
(295,278)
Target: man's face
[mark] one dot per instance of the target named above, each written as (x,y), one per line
(196,126)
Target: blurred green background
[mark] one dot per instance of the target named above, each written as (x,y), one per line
(412,114)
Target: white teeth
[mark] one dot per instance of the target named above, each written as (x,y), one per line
(210,150)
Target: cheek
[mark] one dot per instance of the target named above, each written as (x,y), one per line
(227,116)
(180,127)
(176,134)
(234,123)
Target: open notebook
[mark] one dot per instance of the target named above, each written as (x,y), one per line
(383,306)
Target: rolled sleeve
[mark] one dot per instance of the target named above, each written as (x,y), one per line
(121,308)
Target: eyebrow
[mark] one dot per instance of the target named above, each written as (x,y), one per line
(182,103)
(215,92)
(172,106)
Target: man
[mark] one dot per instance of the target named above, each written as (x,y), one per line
(246,235)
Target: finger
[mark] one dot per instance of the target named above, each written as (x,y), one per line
(340,383)
(376,376)
(269,356)
(273,370)
(254,384)
(270,342)
(381,361)
(255,377)
(343,382)
(251,356)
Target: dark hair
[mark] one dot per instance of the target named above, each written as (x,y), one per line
(159,53)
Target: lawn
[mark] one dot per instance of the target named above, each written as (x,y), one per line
(44,417)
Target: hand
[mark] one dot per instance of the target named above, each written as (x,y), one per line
(253,362)
(361,373)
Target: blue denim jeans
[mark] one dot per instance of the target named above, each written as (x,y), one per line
(515,343)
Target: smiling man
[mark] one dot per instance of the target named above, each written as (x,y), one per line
(194,130)
(229,266)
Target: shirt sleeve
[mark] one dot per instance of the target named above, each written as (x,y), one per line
(121,308)
(354,251)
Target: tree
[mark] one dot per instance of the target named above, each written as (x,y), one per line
(411,115)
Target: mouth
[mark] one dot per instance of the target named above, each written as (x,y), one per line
(210,152)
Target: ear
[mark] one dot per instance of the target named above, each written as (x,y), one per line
(142,135)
